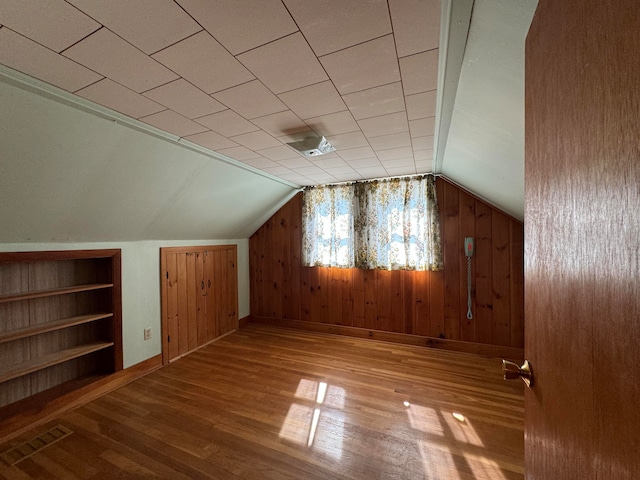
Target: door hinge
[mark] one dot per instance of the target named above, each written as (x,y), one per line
(167,275)
(168,338)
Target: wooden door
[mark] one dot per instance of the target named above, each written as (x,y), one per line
(582,231)
(199,297)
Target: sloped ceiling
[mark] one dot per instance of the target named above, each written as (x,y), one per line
(485,144)
(243,78)
(71,175)
(168,119)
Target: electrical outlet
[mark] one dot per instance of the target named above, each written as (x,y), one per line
(147,333)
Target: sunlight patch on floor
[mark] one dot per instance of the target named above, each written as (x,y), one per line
(462,429)
(424,419)
(315,420)
(437,462)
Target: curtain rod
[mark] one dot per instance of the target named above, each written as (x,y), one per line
(353,182)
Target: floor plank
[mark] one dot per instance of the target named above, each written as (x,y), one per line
(273,403)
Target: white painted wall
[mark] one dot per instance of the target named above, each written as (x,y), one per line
(141,286)
(485,146)
(72,173)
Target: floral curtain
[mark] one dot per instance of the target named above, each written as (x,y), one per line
(397,225)
(382,224)
(327,226)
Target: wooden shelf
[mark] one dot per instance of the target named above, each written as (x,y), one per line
(50,360)
(52,326)
(52,292)
(48,301)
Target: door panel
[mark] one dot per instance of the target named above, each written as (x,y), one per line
(172,306)
(199,296)
(192,300)
(582,295)
(183,303)
(201,299)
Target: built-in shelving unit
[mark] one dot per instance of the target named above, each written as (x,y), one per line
(60,320)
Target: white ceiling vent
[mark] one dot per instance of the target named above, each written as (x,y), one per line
(313,146)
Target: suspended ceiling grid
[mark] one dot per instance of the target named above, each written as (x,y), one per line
(244,78)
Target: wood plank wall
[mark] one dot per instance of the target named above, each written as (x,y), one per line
(427,304)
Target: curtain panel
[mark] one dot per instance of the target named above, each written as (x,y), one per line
(386,224)
(327,226)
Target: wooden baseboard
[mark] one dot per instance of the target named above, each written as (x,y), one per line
(40,408)
(243,322)
(497,351)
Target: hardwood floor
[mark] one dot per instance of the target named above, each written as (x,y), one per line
(272,403)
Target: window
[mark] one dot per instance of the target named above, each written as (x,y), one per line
(385,224)
(327,225)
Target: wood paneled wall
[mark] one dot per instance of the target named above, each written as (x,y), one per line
(427,304)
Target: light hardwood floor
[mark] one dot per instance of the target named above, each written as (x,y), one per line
(273,403)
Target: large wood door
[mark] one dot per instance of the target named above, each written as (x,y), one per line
(582,231)
(199,297)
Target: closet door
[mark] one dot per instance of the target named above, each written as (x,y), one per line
(199,297)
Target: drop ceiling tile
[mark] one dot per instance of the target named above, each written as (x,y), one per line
(251,100)
(363,66)
(239,153)
(399,162)
(227,123)
(211,140)
(150,25)
(356,153)
(278,153)
(394,153)
(285,64)
(421,105)
(333,124)
(261,163)
(347,140)
(29,57)
(182,97)
(422,155)
(314,100)
(422,127)
(106,53)
(295,163)
(256,140)
(395,140)
(365,163)
(376,101)
(422,143)
(172,122)
(281,123)
(241,26)
(424,166)
(419,72)
(298,136)
(347,177)
(113,95)
(339,170)
(297,178)
(54,23)
(311,170)
(325,163)
(334,25)
(322,178)
(279,170)
(398,171)
(372,172)
(416,25)
(201,60)
(385,124)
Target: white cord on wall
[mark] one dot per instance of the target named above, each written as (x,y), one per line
(469,313)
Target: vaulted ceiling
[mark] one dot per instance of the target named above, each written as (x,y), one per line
(169,119)
(243,78)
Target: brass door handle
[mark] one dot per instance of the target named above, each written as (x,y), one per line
(511,371)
